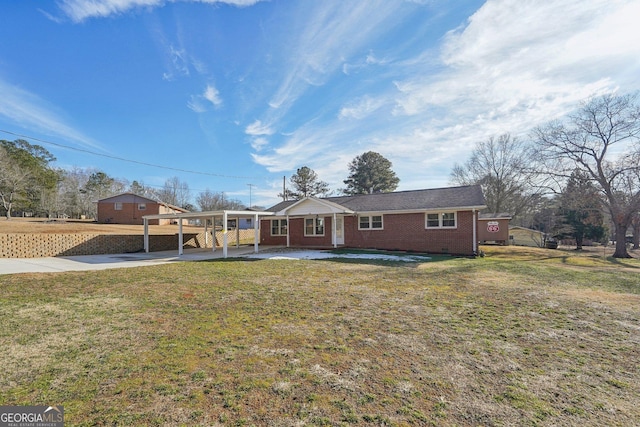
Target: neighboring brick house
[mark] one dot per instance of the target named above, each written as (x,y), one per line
(442,220)
(494,228)
(129,208)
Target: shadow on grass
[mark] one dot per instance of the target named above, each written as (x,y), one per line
(408,259)
(569,257)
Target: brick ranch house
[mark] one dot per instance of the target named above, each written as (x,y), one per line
(441,220)
(128,208)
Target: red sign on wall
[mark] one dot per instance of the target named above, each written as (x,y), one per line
(493,226)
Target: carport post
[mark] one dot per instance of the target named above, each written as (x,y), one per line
(146,235)
(237,232)
(224,234)
(256,233)
(213,233)
(206,232)
(180,237)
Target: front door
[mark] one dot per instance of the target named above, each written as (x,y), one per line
(339,230)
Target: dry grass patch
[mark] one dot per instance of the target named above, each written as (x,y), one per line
(492,341)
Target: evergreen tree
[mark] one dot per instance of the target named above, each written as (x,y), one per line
(580,206)
(26,177)
(370,173)
(305,183)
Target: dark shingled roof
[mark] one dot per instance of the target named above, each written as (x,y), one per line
(500,215)
(436,198)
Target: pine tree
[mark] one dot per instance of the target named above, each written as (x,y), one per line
(581,208)
(370,173)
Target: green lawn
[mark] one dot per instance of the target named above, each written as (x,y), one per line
(519,337)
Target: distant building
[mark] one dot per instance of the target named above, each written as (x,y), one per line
(494,228)
(128,208)
(520,236)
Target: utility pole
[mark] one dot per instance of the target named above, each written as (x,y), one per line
(250,187)
(284,188)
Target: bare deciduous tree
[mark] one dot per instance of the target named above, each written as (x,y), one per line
(175,192)
(13,181)
(213,201)
(502,167)
(602,139)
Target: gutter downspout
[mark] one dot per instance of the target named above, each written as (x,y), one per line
(475,234)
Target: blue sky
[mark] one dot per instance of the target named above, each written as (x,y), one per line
(247,91)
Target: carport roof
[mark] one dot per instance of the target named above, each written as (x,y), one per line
(209,214)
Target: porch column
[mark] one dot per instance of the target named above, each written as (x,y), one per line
(334,231)
(146,235)
(288,228)
(224,234)
(256,233)
(180,237)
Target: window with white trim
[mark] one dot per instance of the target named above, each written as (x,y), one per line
(441,220)
(117,206)
(142,206)
(278,227)
(370,222)
(314,226)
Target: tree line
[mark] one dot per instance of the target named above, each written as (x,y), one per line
(570,178)
(30,185)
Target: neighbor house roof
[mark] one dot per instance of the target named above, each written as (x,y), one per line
(136,198)
(466,197)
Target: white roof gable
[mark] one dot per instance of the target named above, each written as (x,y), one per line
(313,206)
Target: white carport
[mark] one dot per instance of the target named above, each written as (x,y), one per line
(225,215)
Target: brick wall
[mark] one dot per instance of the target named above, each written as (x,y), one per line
(407,232)
(129,214)
(401,232)
(34,245)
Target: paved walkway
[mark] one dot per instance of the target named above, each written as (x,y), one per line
(103,262)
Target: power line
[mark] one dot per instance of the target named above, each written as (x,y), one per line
(122,159)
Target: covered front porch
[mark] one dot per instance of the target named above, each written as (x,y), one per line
(206,217)
(310,223)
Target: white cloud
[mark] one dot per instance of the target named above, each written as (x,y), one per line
(514,65)
(196,104)
(259,143)
(33,113)
(210,94)
(518,58)
(258,128)
(325,41)
(80,10)
(361,108)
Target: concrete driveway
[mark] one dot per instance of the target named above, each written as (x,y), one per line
(103,262)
